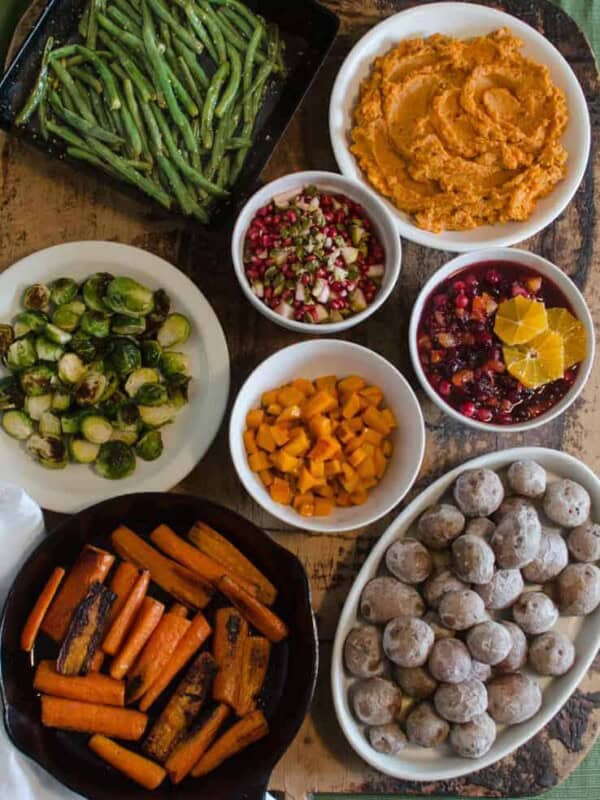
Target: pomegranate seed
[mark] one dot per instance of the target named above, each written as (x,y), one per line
(484,415)
(462,301)
(468,409)
(445,388)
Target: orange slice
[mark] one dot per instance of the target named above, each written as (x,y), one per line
(538,362)
(520,320)
(572,331)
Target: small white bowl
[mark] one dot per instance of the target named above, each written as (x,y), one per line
(330,182)
(313,359)
(462,20)
(545,269)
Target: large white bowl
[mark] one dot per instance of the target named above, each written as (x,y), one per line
(331,182)
(420,764)
(186,441)
(462,20)
(546,269)
(332,357)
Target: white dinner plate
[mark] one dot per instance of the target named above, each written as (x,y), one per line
(187,439)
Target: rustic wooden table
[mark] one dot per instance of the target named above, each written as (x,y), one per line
(43,203)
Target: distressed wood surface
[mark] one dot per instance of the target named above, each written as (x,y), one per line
(45,203)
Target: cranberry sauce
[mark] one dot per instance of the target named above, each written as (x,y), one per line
(462,356)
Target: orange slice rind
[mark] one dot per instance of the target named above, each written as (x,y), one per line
(540,361)
(519,320)
(573,333)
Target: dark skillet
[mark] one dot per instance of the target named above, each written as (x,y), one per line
(290,681)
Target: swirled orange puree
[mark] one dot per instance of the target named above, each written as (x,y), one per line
(461,133)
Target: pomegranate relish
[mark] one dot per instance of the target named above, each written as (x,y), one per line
(499,343)
(313,256)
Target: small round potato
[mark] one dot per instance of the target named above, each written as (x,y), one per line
(513,698)
(460,610)
(552,653)
(440,524)
(387,739)
(517,655)
(503,589)
(441,582)
(440,631)
(516,540)
(552,557)
(481,671)
(567,503)
(480,526)
(474,738)
(534,612)
(461,702)
(584,542)
(375,701)
(384,598)
(407,641)
(472,559)
(578,589)
(527,478)
(363,652)
(415,681)
(409,561)
(510,504)
(489,642)
(449,661)
(425,728)
(478,492)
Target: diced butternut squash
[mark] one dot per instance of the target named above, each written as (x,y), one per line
(355,443)
(307,509)
(305,386)
(306,481)
(373,437)
(327,382)
(254,418)
(301,499)
(344,432)
(351,407)
(333,467)
(372,395)
(375,419)
(317,469)
(325,448)
(284,462)
(319,403)
(320,425)
(380,462)
(366,469)
(350,478)
(357,456)
(324,490)
(264,438)
(342,499)
(389,417)
(359,497)
(274,409)
(281,491)
(290,414)
(353,383)
(280,433)
(323,506)
(290,396)
(299,443)
(250,441)
(269,398)
(356,424)
(258,461)
(387,448)
(266,477)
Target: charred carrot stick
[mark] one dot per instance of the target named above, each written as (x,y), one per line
(231,632)
(143,626)
(178,581)
(219,549)
(188,646)
(244,733)
(121,624)
(73,715)
(263,619)
(85,631)
(38,612)
(156,654)
(255,663)
(139,769)
(187,754)
(92,688)
(121,584)
(92,566)
(97,661)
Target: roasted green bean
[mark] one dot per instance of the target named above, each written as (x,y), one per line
(81,124)
(233,86)
(40,88)
(210,103)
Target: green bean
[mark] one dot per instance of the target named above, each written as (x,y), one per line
(134,110)
(233,85)
(101,113)
(198,28)
(192,62)
(66,100)
(81,124)
(131,130)
(210,103)
(84,77)
(181,92)
(238,141)
(124,22)
(128,8)
(43,117)
(250,57)
(275,47)
(181,193)
(119,71)
(142,84)
(130,40)
(117,121)
(218,147)
(103,71)
(83,154)
(190,83)
(141,166)
(163,13)
(65,133)
(211,20)
(84,22)
(242,9)
(76,96)
(224,171)
(40,87)
(77,61)
(230,34)
(153,129)
(243,25)
(96,7)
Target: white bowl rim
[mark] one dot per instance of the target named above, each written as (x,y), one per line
(461,242)
(319,178)
(317,524)
(462,262)
(496,460)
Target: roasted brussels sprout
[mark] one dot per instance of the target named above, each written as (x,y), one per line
(157,416)
(91,389)
(179,392)
(36,406)
(127,326)
(112,384)
(115,461)
(63,290)
(128,416)
(7,337)
(126,296)
(162,306)
(96,429)
(173,364)
(50,451)
(95,323)
(175,329)
(125,357)
(71,368)
(29,322)
(128,436)
(17,424)
(94,289)
(139,378)
(151,353)
(11,394)
(83,452)
(49,424)
(152,394)
(71,422)
(110,407)
(36,297)
(21,354)
(67,317)
(84,346)
(61,400)
(56,334)
(47,350)
(150,446)
(36,380)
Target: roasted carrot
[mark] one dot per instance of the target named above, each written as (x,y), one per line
(38,612)
(72,715)
(139,769)
(92,688)
(178,581)
(179,610)
(217,547)
(121,584)
(190,750)
(121,624)
(92,566)
(244,733)
(97,661)
(143,626)
(255,663)
(188,555)
(263,619)
(231,632)
(188,646)
(156,654)
(181,710)
(85,631)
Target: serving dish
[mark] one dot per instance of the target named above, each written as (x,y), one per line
(418,764)
(462,20)
(73,488)
(540,266)
(290,681)
(331,357)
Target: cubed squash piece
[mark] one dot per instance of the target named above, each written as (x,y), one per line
(307,509)
(250,442)
(280,433)
(323,506)
(317,470)
(375,419)
(290,414)
(387,448)
(327,383)
(274,410)
(353,383)
(280,491)
(356,424)
(342,499)
(264,438)
(324,490)
(344,432)
(354,444)
(268,398)
(389,417)
(290,396)
(372,395)
(255,417)
(284,461)
(319,403)
(368,448)
(349,479)
(369,483)
(333,467)
(266,477)
(366,469)
(357,457)
(380,462)
(351,407)
(373,437)
(258,461)
(320,425)
(325,448)
(359,497)
(305,386)
(301,499)
(306,481)
(298,444)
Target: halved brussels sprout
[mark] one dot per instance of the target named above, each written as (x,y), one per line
(110,408)
(61,401)
(63,290)
(112,384)
(36,406)
(21,354)
(50,451)
(152,394)
(85,346)
(96,429)
(11,394)
(157,416)
(126,296)
(150,446)
(37,380)
(56,334)
(67,316)
(179,391)
(151,353)
(36,297)
(50,424)
(71,368)
(138,378)
(115,461)
(29,322)
(95,323)
(91,389)
(47,350)
(125,357)
(7,337)
(128,436)
(128,416)
(83,452)
(162,306)
(175,329)
(127,326)
(71,422)
(18,425)
(173,364)
(94,289)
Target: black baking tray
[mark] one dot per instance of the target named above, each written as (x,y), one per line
(307,28)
